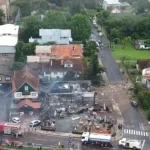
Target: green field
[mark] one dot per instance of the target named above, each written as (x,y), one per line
(129,52)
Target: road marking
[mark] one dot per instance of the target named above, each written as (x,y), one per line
(143,145)
(135,132)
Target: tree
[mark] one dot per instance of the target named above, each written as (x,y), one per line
(125,41)
(31,28)
(75,6)
(2,17)
(102,17)
(147,43)
(17,66)
(40,5)
(93,70)
(23,50)
(80,27)
(24,5)
(54,20)
(90,48)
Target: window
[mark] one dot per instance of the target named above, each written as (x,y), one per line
(26,88)
(4,54)
(7,78)
(18,94)
(33,94)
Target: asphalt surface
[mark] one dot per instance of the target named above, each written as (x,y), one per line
(112,70)
(134,125)
(52,141)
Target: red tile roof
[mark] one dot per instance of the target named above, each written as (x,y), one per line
(26,75)
(143,63)
(34,105)
(65,51)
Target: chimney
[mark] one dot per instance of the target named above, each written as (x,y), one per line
(51,62)
(62,62)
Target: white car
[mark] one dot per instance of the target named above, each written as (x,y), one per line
(34,123)
(16,120)
(97,44)
(94,22)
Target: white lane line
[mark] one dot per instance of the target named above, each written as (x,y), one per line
(131,131)
(143,145)
(134,131)
(146,134)
(124,130)
(138,132)
(141,133)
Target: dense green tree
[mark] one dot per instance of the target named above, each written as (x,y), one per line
(147,43)
(102,17)
(23,50)
(24,5)
(93,70)
(54,20)
(125,41)
(2,17)
(17,66)
(90,48)
(31,28)
(40,5)
(80,27)
(75,6)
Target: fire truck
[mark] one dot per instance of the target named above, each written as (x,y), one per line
(11,129)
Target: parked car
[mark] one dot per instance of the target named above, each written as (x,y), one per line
(35,123)
(16,120)
(134,103)
(97,44)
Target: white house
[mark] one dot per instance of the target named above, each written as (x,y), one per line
(8,41)
(113,4)
(53,35)
(146,77)
(140,44)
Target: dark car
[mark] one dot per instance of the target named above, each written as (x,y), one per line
(134,103)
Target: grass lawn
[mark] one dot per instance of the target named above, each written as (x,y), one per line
(129,52)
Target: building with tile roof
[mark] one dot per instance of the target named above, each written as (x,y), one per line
(25,84)
(72,51)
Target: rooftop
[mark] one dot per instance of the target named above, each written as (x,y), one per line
(53,32)
(61,51)
(34,105)
(26,75)
(112,2)
(9,35)
(3,2)
(143,63)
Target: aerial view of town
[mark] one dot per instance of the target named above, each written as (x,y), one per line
(74,74)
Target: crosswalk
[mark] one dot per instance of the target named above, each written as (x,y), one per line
(135,132)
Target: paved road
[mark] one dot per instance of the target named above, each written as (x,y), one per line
(51,141)
(112,69)
(134,127)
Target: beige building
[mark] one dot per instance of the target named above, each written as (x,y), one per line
(5,6)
